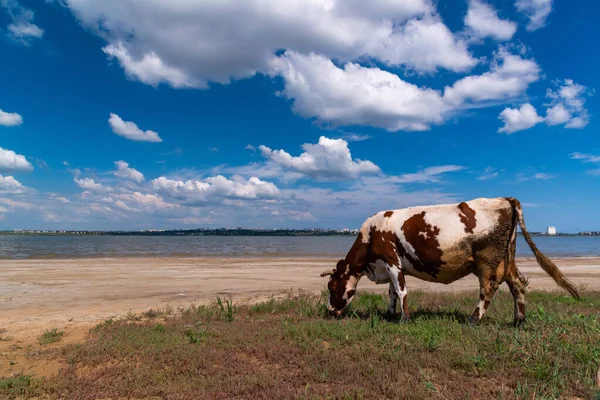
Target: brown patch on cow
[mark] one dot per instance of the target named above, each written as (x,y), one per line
(388,214)
(481,296)
(521,307)
(383,246)
(522,291)
(401,281)
(423,238)
(337,286)
(486,304)
(351,293)
(491,250)
(467,217)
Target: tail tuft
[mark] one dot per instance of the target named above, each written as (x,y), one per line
(544,262)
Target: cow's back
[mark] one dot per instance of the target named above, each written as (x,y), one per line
(439,242)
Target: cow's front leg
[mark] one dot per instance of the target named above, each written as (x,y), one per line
(393,299)
(399,284)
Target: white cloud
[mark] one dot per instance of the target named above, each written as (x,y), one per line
(140,202)
(149,68)
(22,29)
(355,137)
(537,176)
(587,158)
(9,184)
(131,131)
(13,162)
(123,171)
(424,45)
(356,95)
(519,119)
(557,114)
(536,10)
(543,176)
(215,189)
(193,43)
(568,104)
(250,147)
(427,175)
(187,44)
(350,205)
(483,21)
(26,30)
(10,119)
(566,107)
(328,159)
(509,77)
(91,185)
(489,173)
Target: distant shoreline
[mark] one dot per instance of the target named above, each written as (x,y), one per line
(226,232)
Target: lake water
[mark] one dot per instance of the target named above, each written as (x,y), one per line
(19,247)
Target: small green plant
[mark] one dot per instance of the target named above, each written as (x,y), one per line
(433,342)
(375,321)
(16,385)
(160,328)
(228,309)
(151,314)
(131,316)
(50,336)
(195,336)
(428,384)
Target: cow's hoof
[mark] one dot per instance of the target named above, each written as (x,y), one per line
(519,322)
(473,321)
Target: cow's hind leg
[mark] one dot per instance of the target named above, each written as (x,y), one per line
(487,288)
(517,288)
(399,285)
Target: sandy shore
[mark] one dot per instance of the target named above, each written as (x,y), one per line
(73,294)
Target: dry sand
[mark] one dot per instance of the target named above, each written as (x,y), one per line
(74,294)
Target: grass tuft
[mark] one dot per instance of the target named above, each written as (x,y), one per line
(50,336)
(228,310)
(15,386)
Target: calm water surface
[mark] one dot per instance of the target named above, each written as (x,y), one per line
(19,247)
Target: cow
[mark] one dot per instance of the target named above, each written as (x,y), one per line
(440,243)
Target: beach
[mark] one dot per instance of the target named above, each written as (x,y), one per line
(63,293)
(73,295)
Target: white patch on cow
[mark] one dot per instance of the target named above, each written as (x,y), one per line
(393,273)
(378,272)
(350,285)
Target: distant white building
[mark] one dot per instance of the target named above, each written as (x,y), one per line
(551,230)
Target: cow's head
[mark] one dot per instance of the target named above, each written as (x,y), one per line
(342,287)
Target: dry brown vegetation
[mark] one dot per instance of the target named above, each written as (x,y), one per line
(290,349)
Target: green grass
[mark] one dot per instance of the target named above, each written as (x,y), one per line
(12,387)
(291,348)
(50,336)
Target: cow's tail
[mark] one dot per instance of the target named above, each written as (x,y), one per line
(546,264)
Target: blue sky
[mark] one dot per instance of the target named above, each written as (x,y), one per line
(123,114)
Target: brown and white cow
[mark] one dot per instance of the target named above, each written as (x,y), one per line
(440,243)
